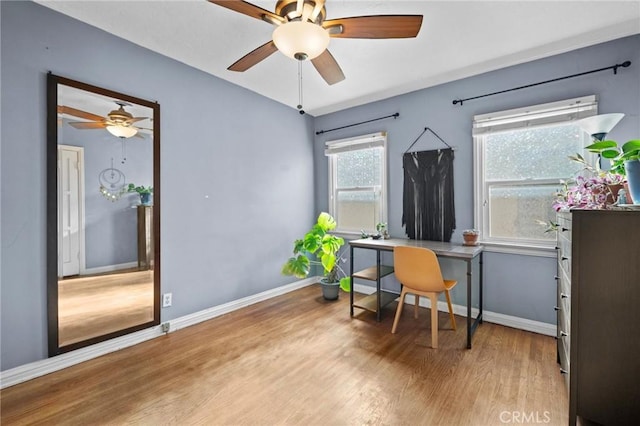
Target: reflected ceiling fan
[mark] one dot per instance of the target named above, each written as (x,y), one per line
(118,122)
(302,33)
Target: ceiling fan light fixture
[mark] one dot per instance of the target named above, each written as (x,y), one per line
(301,40)
(122,131)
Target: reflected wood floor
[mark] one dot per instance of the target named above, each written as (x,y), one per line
(299,360)
(100,304)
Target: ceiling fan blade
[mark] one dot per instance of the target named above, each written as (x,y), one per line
(381,26)
(328,68)
(248,9)
(134,119)
(83,125)
(253,57)
(63,109)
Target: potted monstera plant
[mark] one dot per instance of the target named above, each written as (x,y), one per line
(319,247)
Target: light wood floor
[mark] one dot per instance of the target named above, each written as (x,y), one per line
(299,360)
(96,305)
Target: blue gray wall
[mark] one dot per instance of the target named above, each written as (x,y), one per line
(236,188)
(522,286)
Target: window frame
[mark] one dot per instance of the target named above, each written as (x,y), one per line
(357,143)
(535,116)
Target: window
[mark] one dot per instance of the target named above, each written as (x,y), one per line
(357,182)
(520,158)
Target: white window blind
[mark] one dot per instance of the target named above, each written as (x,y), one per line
(536,116)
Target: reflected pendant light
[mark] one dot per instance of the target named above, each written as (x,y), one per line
(121,131)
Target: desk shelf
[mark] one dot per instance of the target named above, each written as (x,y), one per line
(369,303)
(371,273)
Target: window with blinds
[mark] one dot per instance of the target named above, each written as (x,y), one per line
(520,158)
(357,182)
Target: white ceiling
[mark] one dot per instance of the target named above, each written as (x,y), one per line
(458,39)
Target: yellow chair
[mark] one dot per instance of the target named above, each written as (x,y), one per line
(418,271)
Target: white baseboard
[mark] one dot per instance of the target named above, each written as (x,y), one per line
(488,316)
(35,369)
(109,268)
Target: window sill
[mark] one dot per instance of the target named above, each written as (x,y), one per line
(519,249)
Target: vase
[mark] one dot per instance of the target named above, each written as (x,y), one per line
(330,291)
(632,168)
(145,199)
(470,239)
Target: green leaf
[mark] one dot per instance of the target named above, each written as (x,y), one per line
(328,261)
(331,243)
(326,221)
(345,284)
(298,246)
(297,266)
(609,153)
(312,242)
(600,145)
(631,146)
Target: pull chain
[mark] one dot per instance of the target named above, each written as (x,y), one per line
(300,88)
(124,151)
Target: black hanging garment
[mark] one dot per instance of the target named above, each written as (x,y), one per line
(428,205)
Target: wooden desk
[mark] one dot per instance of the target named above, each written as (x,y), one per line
(441,249)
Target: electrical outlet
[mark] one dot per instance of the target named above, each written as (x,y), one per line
(166,300)
(165,327)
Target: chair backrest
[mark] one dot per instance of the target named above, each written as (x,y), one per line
(418,268)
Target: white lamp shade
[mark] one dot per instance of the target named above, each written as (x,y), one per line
(122,131)
(299,37)
(600,124)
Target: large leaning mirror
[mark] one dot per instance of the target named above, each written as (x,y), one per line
(103,236)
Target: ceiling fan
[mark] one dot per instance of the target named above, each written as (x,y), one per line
(118,122)
(302,33)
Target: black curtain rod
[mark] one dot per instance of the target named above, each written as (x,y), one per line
(615,67)
(423,132)
(396,115)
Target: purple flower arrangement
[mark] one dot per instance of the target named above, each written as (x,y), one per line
(586,192)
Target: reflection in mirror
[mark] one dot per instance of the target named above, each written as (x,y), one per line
(103,262)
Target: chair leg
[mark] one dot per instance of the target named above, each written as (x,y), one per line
(453,318)
(416,306)
(403,293)
(434,320)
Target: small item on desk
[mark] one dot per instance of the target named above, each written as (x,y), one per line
(470,237)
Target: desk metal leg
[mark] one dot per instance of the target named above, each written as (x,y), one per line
(472,323)
(469,302)
(378,307)
(480,285)
(351,279)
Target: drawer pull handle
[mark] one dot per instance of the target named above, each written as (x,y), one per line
(563,334)
(564,229)
(563,371)
(564,296)
(564,258)
(556,278)
(555,308)
(557,248)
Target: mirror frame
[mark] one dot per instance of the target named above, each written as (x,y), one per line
(52,211)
